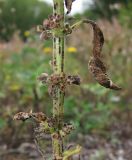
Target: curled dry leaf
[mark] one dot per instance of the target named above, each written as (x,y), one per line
(45,35)
(73,80)
(98,71)
(21,116)
(96,65)
(68,4)
(43,77)
(38,117)
(66,129)
(98,39)
(39,28)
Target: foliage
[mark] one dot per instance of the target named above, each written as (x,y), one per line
(105,9)
(21,15)
(125,15)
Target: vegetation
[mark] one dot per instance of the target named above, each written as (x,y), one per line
(125,15)
(21,15)
(106,9)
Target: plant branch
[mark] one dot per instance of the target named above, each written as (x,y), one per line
(58,68)
(69,153)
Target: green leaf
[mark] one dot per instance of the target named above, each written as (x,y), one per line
(2,123)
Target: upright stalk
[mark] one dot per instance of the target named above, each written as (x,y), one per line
(58,69)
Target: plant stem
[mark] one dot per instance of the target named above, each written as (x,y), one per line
(58,68)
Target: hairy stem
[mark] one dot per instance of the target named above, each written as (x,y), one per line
(58,68)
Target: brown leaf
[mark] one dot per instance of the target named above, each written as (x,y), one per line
(98,39)
(38,117)
(96,65)
(68,4)
(43,77)
(73,80)
(44,35)
(99,73)
(21,116)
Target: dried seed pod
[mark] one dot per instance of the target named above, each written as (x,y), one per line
(96,65)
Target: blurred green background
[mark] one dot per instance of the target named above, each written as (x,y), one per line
(102,117)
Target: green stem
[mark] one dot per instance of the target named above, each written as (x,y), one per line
(58,68)
(76,24)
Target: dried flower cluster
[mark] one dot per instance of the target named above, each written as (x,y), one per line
(55,80)
(52,22)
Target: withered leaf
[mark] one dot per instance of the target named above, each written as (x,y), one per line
(43,77)
(73,79)
(98,39)
(99,73)
(38,117)
(39,28)
(21,116)
(68,4)
(45,35)
(96,65)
